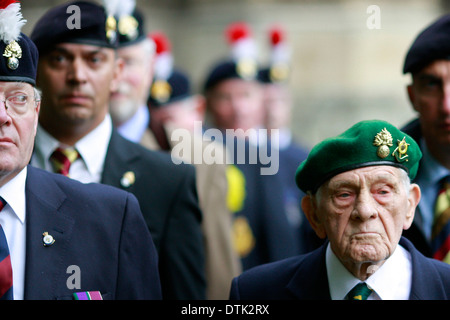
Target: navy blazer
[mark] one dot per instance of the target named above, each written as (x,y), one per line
(167,196)
(415,233)
(305,277)
(97,228)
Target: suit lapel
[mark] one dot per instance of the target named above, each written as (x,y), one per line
(117,161)
(425,283)
(44,264)
(310,282)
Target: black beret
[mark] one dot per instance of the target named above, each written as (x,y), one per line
(277,73)
(431,44)
(175,88)
(21,67)
(245,69)
(131,28)
(59,25)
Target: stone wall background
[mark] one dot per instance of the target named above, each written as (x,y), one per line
(343,71)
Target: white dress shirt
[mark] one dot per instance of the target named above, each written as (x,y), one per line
(92,149)
(12,219)
(392,281)
(135,127)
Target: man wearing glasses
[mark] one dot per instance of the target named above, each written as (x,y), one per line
(59,239)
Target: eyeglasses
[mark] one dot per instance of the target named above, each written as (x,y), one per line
(17,105)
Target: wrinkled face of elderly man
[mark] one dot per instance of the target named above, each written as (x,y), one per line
(19,110)
(363,213)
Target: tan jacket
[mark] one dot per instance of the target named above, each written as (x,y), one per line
(222,262)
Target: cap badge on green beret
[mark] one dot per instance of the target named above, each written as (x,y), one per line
(13,52)
(400,152)
(383,140)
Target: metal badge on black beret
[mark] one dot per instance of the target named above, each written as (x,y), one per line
(279,67)
(163,92)
(169,85)
(131,25)
(97,26)
(433,43)
(243,62)
(367,143)
(19,54)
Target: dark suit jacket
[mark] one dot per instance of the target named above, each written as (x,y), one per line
(167,196)
(97,228)
(414,233)
(304,277)
(272,235)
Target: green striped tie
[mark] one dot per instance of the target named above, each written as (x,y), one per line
(359,292)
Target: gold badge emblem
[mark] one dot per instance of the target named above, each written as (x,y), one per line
(246,69)
(47,239)
(383,140)
(279,72)
(161,91)
(128,179)
(243,238)
(236,189)
(400,152)
(128,26)
(111,27)
(13,52)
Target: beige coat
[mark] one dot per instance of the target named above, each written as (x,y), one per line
(222,262)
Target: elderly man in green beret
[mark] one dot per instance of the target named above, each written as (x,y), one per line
(360,198)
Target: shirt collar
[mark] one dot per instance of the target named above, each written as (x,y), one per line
(392,280)
(340,280)
(14,194)
(134,128)
(92,147)
(394,273)
(44,145)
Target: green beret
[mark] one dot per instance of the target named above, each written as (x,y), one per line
(367,143)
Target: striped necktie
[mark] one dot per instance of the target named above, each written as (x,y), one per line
(6,278)
(62,159)
(441,223)
(359,292)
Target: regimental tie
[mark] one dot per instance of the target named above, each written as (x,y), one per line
(6,277)
(359,292)
(441,224)
(62,159)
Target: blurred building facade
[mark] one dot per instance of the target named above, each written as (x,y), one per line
(343,70)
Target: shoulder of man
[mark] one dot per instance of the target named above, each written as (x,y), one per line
(162,160)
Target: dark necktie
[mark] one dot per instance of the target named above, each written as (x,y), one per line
(441,224)
(359,292)
(6,278)
(62,159)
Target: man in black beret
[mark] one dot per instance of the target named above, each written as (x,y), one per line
(130,114)
(234,102)
(78,69)
(59,239)
(176,122)
(428,63)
